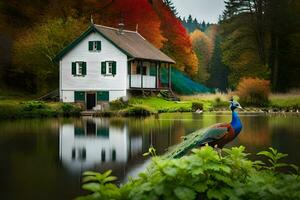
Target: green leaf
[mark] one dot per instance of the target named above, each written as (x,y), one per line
(200,187)
(184,193)
(170,171)
(90,173)
(89,179)
(107,173)
(109,179)
(214,194)
(93,187)
(146,154)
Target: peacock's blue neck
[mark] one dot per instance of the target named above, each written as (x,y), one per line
(236,123)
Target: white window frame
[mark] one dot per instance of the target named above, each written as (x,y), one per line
(79,66)
(94,45)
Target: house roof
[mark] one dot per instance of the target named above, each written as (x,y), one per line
(129,42)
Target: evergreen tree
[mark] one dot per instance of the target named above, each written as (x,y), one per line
(171,6)
(218,71)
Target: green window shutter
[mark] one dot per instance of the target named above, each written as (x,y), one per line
(114,155)
(83,68)
(103,96)
(74,68)
(90,45)
(79,131)
(114,68)
(103,67)
(103,132)
(79,96)
(98,45)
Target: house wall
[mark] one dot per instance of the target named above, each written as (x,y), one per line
(94,80)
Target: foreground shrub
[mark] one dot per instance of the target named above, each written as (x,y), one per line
(118,104)
(34,105)
(197,106)
(202,175)
(253,91)
(69,109)
(137,110)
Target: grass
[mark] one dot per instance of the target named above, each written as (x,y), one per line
(14,109)
(285,101)
(160,105)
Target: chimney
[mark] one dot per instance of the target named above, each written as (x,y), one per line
(121,28)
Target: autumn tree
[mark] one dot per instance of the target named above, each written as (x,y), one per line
(202,46)
(178,44)
(133,13)
(33,52)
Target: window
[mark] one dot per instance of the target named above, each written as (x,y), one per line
(79,68)
(144,70)
(103,155)
(94,45)
(109,68)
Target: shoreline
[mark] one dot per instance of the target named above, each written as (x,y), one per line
(135,107)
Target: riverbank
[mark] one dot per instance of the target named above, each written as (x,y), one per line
(199,103)
(17,107)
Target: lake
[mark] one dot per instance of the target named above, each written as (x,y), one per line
(44,158)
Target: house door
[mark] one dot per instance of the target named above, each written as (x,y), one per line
(90,101)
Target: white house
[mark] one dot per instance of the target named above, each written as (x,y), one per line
(104,64)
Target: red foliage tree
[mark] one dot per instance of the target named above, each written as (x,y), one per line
(132,13)
(178,45)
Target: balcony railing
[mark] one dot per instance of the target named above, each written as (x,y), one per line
(136,81)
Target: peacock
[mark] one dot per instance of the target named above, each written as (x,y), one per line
(216,135)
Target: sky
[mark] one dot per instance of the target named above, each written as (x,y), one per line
(207,10)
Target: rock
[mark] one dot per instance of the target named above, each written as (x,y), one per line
(199,111)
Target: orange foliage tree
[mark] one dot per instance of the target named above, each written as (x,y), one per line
(178,44)
(253,91)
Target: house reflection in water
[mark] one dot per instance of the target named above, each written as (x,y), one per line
(95,143)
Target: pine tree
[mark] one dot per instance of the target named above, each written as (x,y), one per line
(171,6)
(218,71)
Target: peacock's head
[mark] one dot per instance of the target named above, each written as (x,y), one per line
(234,105)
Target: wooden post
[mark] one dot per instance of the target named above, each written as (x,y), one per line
(159,66)
(169,77)
(141,70)
(129,68)
(156,67)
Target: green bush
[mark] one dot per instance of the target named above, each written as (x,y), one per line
(69,109)
(197,106)
(34,105)
(202,175)
(137,110)
(118,104)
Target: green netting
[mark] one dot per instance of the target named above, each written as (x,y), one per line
(182,84)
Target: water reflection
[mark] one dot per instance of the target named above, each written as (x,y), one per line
(93,143)
(44,159)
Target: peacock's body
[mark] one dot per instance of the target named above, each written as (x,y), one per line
(215,135)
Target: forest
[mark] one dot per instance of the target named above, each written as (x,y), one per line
(253,38)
